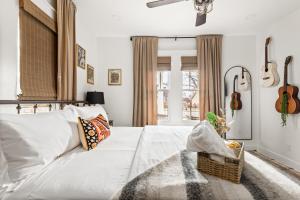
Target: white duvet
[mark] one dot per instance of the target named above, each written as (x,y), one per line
(100,173)
(80,174)
(157,144)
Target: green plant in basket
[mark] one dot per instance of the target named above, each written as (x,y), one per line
(212,118)
(218,122)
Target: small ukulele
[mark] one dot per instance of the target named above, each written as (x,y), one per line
(288,102)
(244,80)
(236,103)
(269,73)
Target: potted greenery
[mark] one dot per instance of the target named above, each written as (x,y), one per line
(218,122)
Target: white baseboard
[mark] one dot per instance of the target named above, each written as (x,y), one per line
(280,158)
(250,147)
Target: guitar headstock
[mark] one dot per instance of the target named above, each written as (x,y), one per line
(236,77)
(268,40)
(288,60)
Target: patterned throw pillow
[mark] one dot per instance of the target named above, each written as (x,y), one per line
(93,131)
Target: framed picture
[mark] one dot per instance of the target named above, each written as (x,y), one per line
(90,74)
(114,77)
(81,57)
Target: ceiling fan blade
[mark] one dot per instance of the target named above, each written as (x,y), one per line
(201,19)
(154,4)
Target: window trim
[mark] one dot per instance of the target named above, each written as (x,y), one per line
(190,90)
(160,89)
(39,14)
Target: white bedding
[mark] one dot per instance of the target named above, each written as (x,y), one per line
(157,144)
(101,173)
(96,174)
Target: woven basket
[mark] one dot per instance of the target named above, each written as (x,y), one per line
(231,170)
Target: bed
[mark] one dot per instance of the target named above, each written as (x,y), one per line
(79,174)
(138,163)
(103,172)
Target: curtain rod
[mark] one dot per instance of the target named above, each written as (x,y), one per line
(174,37)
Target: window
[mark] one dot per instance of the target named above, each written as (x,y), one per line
(163,86)
(190,95)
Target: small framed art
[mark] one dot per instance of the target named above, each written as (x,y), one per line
(90,74)
(81,56)
(114,77)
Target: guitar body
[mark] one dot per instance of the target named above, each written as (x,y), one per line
(244,81)
(236,103)
(293,105)
(270,76)
(276,74)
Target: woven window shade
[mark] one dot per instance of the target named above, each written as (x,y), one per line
(164,63)
(189,63)
(38,59)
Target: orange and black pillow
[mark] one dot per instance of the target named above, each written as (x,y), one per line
(93,131)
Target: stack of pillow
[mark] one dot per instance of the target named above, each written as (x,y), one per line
(92,130)
(28,143)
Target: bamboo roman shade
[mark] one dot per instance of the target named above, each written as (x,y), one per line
(38,59)
(164,63)
(189,63)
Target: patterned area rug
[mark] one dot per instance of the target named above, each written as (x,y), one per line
(178,178)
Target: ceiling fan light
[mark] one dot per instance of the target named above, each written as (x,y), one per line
(203,6)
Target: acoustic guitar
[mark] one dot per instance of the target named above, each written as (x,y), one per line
(269,73)
(236,103)
(288,102)
(244,80)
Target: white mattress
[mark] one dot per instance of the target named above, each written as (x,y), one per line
(70,177)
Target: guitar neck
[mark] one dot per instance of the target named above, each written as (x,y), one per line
(266,57)
(285,77)
(234,82)
(243,75)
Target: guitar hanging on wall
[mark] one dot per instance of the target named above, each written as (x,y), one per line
(236,103)
(244,80)
(269,73)
(288,102)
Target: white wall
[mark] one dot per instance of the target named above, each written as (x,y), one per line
(9,12)
(116,53)
(281,143)
(88,41)
(9,25)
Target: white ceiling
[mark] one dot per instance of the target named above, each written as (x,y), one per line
(132,17)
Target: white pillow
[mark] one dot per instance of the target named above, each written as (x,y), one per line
(30,142)
(89,112)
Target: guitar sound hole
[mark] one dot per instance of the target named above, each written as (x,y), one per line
(266,70)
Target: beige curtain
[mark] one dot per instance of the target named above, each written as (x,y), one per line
(145,51)
(67,80)
(209,53)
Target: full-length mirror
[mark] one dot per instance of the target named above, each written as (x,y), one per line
(238,103)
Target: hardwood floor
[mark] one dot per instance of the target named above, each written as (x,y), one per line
(283,167)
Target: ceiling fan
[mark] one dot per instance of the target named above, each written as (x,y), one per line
(203,7)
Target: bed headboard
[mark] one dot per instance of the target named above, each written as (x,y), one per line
(35,104)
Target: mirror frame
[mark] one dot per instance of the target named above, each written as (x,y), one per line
(224,100)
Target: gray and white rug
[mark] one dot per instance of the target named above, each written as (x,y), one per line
(178,178)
